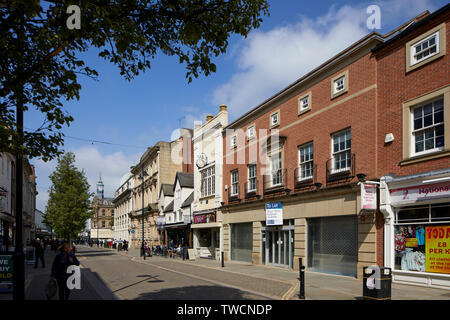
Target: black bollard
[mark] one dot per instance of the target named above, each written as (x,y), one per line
(222,259)
(301,278)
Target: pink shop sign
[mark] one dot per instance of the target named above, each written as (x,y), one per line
(420,193)
(205,218)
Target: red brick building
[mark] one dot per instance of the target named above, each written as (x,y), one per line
(305,149)
(413,94)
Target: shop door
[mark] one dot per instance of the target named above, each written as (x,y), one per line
(279,248)
(333,245)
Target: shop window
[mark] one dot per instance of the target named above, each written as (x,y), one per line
(418,214)
(440,213)
(204,237)
(423,246)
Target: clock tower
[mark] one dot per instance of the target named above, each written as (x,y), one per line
(100,188)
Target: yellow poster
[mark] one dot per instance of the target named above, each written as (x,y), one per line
(437,245)
(411,242)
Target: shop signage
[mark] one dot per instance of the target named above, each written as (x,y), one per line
(437,244)
(420,193)
(205,218)
(368,196)
(411,243)
(6,271)
(274,214)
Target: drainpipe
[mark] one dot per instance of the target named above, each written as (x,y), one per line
(388,212)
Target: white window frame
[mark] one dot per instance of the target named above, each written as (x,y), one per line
(208,181)
(251,177)
(276,174)
(434,125)
(233,141)
(413,60)
(234,182)
(335,84)
(304,103)
(304,163)
(334,153)
(251,132)
(277,123)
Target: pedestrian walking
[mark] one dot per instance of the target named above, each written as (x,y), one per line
(62,261)
(38,253)
(125,246)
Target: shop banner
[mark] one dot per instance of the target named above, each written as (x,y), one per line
(368,196)
(6,270)
(420,193)
(274,214)
(437,244)
(205,218)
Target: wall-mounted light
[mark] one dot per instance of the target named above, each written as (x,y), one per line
(318,185)
(361,177)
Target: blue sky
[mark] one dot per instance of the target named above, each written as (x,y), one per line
(298,36)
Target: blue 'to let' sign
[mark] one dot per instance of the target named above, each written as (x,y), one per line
(274,205)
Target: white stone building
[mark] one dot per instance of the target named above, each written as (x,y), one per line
(123,207)
(207,217)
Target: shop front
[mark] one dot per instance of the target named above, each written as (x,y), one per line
(207,234)
(278,244)
(326,229)
(333,245)
(178,233)
(417,228)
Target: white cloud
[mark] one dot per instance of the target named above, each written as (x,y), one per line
(269,61)
(111,166)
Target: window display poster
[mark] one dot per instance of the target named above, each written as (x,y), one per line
(6,269)
(274,214)
(437,244)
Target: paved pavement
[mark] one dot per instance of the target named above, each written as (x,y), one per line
(283,283)
(92,287)
(107,274)
(132,279)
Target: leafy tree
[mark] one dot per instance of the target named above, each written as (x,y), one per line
(40,62)
(68,206)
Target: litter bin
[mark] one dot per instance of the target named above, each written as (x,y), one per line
(377,283)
